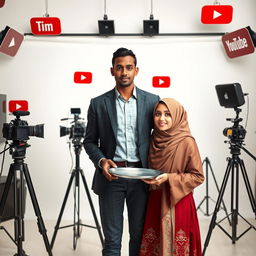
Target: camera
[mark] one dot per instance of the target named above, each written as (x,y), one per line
(19,130)
(235,133)
(77,130)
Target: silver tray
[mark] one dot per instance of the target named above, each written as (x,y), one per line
(134,173)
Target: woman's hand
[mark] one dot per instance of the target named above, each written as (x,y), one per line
(158,180)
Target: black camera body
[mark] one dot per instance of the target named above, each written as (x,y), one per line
(78,128)
(76,131)
(19,130)
(235,133)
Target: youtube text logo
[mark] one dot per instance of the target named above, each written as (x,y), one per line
(238,43)
(45,26)
(21,105)
(83,77)
(161,81)
(2,3)
(216,14)
(10,41)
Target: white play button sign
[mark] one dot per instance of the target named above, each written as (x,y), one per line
(83,77)
(18,106)
(12,43)
(216,14)
(161,81)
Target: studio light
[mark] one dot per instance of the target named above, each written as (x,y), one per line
(106,27)
(10,41)
(230,95)
(151,26)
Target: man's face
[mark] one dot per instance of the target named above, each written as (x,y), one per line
(124,71)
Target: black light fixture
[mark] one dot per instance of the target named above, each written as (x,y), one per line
(106,27)
(230,95)
(151,26)
(252,34)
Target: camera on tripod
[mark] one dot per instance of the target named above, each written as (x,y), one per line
(77,130)
(19,130)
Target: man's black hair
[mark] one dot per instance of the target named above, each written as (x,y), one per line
(122,52)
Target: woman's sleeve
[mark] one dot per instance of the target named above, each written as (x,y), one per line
(189,172)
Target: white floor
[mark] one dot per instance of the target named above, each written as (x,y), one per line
(89,242)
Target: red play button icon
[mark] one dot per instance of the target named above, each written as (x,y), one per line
(161,81)
(83,77)
(216,14)
(21,105)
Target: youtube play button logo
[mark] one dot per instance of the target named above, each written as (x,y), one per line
(83,77)
(21,105)
(10,41)
(216,14)
(161,81)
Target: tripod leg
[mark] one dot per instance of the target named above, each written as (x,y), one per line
(234,211)
(92,208)
(198,207)
(248,186)
(18,210)
(40,221)
(219,200)
(76,223)
(62,209)
(216,184)
(6,190)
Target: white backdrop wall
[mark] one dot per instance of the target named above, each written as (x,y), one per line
(42,73)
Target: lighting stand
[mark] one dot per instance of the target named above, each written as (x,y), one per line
(77,224)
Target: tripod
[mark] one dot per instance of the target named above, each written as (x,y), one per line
(77,225)
(20,170)
(235,165)
(207,197)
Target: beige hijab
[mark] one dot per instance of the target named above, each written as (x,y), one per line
(164,143)
(175,152)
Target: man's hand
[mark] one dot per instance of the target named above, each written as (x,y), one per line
(158,180)
(105,165)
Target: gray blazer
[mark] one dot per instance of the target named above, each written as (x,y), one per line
(101,131)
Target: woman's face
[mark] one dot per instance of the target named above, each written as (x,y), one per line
(162,117)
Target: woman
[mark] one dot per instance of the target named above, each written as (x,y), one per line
(171,226)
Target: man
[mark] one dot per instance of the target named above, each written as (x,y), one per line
(118,135)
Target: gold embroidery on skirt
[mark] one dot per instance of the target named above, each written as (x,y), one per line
(150,243)
(181,244)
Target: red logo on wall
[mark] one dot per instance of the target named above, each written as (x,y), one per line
(11,41)
(238,43)
(2,3)
(216,14)
(161,81)
(45,26)
(83,77)
(21,105)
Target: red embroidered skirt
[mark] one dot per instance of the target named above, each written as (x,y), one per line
(183,234)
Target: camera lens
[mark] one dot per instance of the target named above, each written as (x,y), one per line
(37,130)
